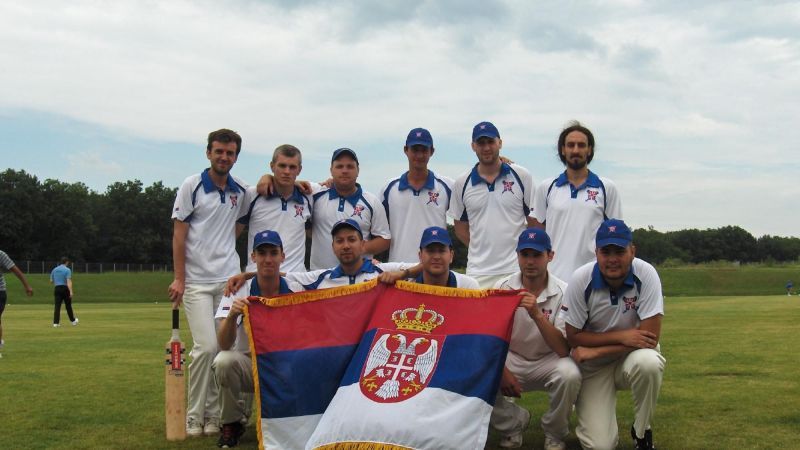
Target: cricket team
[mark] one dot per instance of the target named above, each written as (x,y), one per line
(589,320)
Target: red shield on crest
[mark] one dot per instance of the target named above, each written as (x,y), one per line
(400,364)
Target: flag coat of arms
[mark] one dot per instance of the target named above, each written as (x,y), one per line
(377,366)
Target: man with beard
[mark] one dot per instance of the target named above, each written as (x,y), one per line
(204,256)
(572,205)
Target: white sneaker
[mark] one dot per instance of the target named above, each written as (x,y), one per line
(551,443)
(194,428)
(515,440)
(75,322)
(56,325)
(212,427)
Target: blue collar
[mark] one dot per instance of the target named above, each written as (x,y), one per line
(598,282)
(403,185)
(451,280)
(209,185)
(476,178)
(296,196)
(366,267)
(352,199)
(282,289)
(591,181)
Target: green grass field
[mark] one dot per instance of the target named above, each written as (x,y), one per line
(730,380)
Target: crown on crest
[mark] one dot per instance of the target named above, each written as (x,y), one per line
(424,320)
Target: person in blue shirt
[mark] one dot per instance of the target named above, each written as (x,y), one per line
(61,277)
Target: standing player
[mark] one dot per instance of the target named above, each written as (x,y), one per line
(538,354)
(436,255)
(7,265)
(415,200)
(61,277)
(204,256)
(613,309)
(232,365)
(490,205)
(285,210)
(572,205)
(346,200)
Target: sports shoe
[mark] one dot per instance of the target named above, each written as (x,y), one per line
(551,443)
(645,443)
(231,432)
(212,426)
(75,322)
(56,325)
(194,428)
(515,440)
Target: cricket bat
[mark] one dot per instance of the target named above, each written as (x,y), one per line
(174,388)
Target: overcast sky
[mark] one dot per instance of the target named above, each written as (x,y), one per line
(695,106)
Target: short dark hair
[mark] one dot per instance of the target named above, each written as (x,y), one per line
(574,125)
(225,136)
(64,260)
(287,150)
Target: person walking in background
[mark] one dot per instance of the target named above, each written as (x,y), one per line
(789,286)
(61,277)
(7,265)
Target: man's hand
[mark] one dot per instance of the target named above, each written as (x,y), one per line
(529,302)
(304,186)
(264,186)
(506,160)
(237,308)
(391,277)
(509,386)
(639,339)
(29,291)
(234,284)
(175,291)
(581,354)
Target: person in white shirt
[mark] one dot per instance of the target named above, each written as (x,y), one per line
(538,354)
(613,309)
(417,199)
(490,206)
(204,256)
(436,255)
(572,205)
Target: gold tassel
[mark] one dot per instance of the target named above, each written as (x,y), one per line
(361,446)
(320,294)
(254,370)
(443,291)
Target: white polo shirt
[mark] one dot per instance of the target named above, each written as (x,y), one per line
(330,207)
(572,216)
(250,287)
(327,278)
(211,214)
(286,216)
(455,280)
(410,212)
(591,304)
(497,213)
(526,339)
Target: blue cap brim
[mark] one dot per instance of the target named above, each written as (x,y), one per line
(425,143)
(613,241)
(537,247)
(437,241)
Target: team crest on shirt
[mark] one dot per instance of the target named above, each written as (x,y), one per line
(433,197)
(591,195)
(547,313)
(357,211)
(508,186)
(401,362)
(298,210)
(234,199)
(630,304)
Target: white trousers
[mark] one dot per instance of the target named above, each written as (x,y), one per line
(559,377)
(641,371)
(200,302)
(232,370)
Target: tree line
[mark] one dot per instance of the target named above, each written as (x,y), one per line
(130,223)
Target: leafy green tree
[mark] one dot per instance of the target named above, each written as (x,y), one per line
(20,197)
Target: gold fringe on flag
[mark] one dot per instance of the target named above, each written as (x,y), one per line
(313,296)
(254,370)
(361,446)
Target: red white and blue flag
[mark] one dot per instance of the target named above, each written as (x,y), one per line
(377,366)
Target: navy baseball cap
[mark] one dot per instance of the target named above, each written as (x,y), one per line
(350,223)
(613,232)
(484,129)
(267,237)
(419,136)
(435,235)
(343,151)
(536,239)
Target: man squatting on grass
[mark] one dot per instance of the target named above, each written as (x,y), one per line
(613,309)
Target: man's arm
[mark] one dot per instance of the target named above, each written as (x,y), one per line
(226,334)
(28,289)
(535,223)
(239,228)
(552,335)
(462,231)
(176,288)
(615,342)
(69,286)
(376,245)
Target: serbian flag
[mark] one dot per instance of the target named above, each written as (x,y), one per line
(378,366)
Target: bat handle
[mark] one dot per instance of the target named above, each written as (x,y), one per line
(175,319)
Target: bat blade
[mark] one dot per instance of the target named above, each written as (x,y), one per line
(175,385)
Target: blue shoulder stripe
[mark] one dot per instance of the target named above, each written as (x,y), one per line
(315,284)
(525,207)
